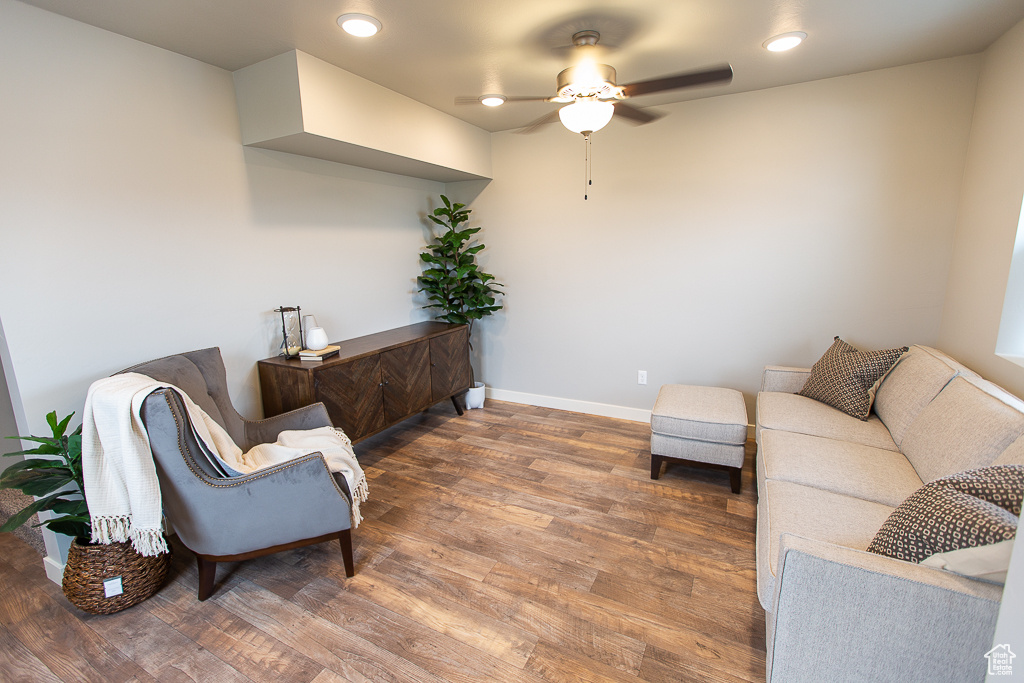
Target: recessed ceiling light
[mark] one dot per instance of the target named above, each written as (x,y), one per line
(784,41)
(492,100)
(361,25)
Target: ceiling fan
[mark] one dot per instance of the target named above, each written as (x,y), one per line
(592,96)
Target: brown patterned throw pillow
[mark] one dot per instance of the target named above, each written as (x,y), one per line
(965,510)
(845,378)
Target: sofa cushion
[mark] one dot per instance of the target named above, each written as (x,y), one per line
(795,413)
(813,513)
(968,509)
(873,474)
(845,378)
(1013,455)
(963,428)
(917,378)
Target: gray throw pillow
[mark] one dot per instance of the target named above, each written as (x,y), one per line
(846,378)
(965,510)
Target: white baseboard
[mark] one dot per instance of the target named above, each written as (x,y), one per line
(587,407)
(54,570)
(576,406)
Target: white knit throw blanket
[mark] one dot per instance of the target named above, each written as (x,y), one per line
(121,485)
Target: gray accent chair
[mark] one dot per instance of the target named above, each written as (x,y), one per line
(228,519)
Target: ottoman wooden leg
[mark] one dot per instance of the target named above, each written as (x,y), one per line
(734,478)
(656,461)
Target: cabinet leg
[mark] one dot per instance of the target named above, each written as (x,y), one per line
(458,404)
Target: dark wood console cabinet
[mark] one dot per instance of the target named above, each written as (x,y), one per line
(376,380)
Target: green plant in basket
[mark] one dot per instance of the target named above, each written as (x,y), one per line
(48,477)
(452,280)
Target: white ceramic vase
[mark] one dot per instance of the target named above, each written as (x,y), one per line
(316,339)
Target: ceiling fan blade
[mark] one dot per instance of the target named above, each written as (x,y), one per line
(514,98)
(718,74)
(637,116)
(536,125)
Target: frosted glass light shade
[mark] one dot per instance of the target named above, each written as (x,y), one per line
(492,100)
(359,25)
(785,41)
(586,116)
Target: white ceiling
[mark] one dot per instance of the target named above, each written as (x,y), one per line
(436,50)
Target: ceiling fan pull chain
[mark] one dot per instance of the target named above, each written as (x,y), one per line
(586,166)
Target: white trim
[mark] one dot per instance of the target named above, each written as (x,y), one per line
(577,406)
(54,570)
(573,405)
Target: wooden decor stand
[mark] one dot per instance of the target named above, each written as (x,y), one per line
(375,381)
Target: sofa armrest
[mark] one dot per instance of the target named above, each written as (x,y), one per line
(784,379)
(844,614)
(266,431)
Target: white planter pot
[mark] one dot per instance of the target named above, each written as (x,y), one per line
(475,396)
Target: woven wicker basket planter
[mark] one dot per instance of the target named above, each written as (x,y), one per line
(89,565)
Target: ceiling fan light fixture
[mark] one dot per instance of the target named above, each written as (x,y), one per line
(784,41)
(359,25)
(492,100)
(586,116)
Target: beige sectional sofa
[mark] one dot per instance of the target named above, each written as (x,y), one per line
(826,483)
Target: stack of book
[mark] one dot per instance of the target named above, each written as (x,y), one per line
(305,355)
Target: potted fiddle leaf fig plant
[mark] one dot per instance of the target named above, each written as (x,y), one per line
(98,578)
(452,280)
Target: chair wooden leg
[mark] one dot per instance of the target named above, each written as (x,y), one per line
(207,576)
(345,539)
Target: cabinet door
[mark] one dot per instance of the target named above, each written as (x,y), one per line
(406,373)
(352,394)
(449,364)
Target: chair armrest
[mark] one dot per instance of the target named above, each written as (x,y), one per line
(784,379)
(855,615)
(293,501)
(266,431)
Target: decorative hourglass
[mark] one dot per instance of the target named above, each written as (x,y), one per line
(291,330)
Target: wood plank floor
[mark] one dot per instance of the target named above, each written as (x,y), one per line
(511,544)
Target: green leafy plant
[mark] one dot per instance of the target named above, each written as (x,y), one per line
(452,281)
(48,477)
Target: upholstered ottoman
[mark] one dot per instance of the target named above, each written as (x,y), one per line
(699,426)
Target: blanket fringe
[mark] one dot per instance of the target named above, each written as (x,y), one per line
(360,495)
(362,491)
(110,529)
(149,542)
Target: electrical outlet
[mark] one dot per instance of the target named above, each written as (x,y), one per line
(641,377)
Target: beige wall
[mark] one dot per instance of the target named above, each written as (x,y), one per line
(990,209)
(738,231)
(135,224)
